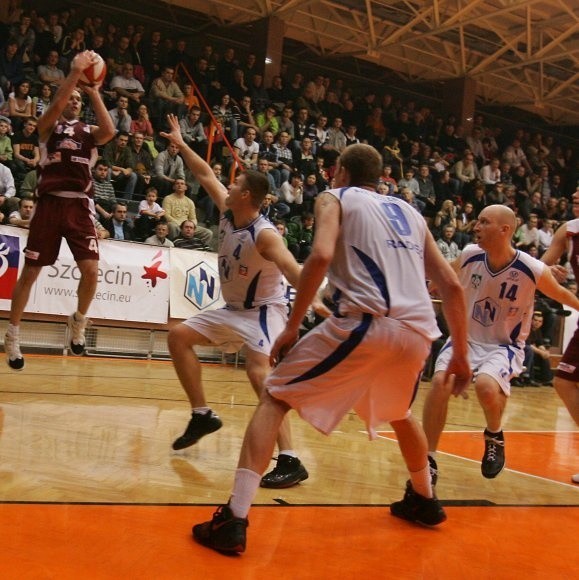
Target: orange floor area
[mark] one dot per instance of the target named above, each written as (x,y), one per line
(153,542)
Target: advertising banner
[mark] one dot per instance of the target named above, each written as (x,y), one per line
(133,280)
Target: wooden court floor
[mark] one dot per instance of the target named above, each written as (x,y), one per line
(90,488)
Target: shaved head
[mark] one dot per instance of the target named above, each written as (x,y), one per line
(502,214)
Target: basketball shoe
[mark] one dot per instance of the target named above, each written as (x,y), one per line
(288,472)
(76,330)
(417,508)
(493,460)
(14,357)
(224,533)
(201,424)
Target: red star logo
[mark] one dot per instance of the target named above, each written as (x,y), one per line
(153,272)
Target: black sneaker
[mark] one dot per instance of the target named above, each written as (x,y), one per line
(417,508)
(201,424)
(224,533)
(493,460)
(433,468)
(289,471)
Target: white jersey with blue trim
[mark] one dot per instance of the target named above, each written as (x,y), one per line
(499,304)
(247,279)
(378,266)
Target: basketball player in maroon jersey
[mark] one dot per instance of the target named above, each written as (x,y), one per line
(65,207)
(566,383)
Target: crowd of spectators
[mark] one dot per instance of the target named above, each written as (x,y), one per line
(293,131)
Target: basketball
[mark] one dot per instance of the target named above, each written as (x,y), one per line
(94,74)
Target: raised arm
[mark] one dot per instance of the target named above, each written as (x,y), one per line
(79,63)
(200,169)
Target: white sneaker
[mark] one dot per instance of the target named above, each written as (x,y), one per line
(575,478)
(76,330)
(14,357)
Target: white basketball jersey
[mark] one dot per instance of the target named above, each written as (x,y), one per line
(378,266)
(248,280)
(499,304)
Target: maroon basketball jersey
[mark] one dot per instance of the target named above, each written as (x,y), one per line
(66,159)
(573,233)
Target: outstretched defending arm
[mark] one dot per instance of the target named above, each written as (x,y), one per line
(200,169)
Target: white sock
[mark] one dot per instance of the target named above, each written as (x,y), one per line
(78,316)
(289,452)
(13,330)
(200,410)
(432,454)
(421,482)
(245,487)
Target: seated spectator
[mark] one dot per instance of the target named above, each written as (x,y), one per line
(291,193)
(350,134)
(168,167)
(410,182)
(29,185)
(267,121)
(546,233)
(258,93)
(247,149)
(72,44)
(465,222)
(310,191)
(193,132)
(22,216)
(447,246)
(143,160)
(143,124)
(497,194)
(118,225)
(150,214)
(11,66)
(408,196)
(20,105)
(26,151)
(118,155)
(50,73)
(285,156)
(8,199)
(537,361)
(104,190)
(300,236)
(179,208)
(246,116)
(166,97)
(41,102)
(467,173)
(304,159)
(159,238)
(120,55)
(205,201)
(491,173)
(6,151)
(285,122)
(126,85)
(269,152)
(121,117)
(388,181)
(529,234)
(188,238)
(224,111)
